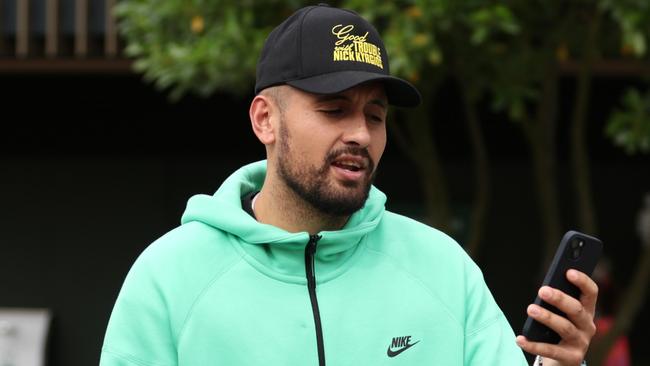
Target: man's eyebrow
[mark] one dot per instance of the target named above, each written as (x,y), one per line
(331,97)
(379,102)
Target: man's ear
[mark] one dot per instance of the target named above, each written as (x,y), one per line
(261,113)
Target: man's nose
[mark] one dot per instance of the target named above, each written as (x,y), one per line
(356,131)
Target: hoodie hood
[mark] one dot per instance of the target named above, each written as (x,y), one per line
(271,248)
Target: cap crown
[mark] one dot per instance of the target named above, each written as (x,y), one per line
(317,40)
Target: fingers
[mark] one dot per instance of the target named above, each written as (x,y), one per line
(564,355)
(579,321)
(580,312)
(587,286)
(566,329)
(572,347)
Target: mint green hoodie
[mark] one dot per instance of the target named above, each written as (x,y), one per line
(223,289)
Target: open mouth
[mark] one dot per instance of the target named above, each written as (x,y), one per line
(353,166)
(350,168)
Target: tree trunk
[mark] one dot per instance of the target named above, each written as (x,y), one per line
(541,138)
(544,166)
(579,155)
(481,172)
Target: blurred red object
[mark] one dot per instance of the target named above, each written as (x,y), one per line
(619,355)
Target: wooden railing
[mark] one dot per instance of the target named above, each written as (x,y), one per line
(60,35)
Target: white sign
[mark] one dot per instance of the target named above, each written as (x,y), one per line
(23,336)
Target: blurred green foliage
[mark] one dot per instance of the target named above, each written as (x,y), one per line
(420,35)
(198,46)
(632,16)
(499,47)
(629,125)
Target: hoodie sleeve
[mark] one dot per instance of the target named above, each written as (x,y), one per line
(139,330)
(489,339)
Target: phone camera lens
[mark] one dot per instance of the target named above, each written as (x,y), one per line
(576,253)
(576,249)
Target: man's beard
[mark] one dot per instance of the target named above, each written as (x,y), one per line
(315,186)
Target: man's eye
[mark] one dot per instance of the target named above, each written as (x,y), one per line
(332,112)
(376,118)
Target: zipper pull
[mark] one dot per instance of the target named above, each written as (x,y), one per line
(311,245)
(310,250)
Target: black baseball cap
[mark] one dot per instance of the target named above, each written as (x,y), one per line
(326,50)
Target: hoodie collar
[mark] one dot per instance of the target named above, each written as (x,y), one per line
(270,245)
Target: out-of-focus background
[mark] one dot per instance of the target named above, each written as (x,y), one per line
(113,113)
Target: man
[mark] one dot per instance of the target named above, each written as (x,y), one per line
(295,261)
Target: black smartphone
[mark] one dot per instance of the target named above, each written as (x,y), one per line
(576,251)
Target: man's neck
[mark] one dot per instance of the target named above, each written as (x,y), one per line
(278,205)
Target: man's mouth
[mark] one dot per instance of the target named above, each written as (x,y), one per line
(350,168)
(351,163)
(354,166)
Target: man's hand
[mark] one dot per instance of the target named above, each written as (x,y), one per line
(576,330)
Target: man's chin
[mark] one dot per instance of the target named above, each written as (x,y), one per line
(345,200)
(340,208)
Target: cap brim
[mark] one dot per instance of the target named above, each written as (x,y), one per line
(399,92)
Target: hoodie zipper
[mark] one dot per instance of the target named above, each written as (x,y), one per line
(310,250)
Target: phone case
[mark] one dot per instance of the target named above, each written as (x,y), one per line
(570,254)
